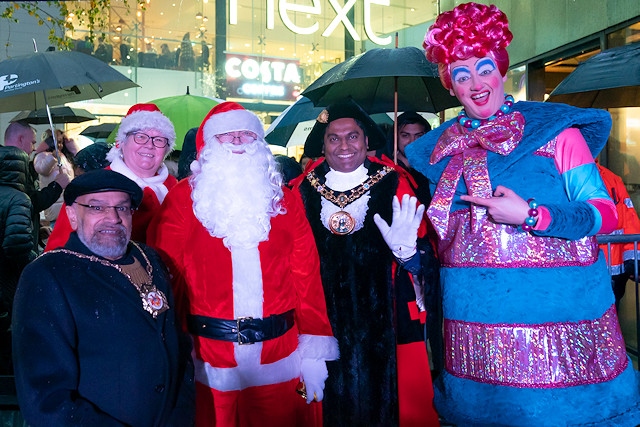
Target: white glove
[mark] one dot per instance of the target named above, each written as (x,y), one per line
(313,373)
(402,235)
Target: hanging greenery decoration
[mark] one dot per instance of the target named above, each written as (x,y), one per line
(63,17)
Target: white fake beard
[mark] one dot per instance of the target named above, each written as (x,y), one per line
(235,195)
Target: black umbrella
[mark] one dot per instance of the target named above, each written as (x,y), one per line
(293,125)
(42,79)
(33,81)
(382,80)
(610,79)
(103,130)
(373,79)
(58,115)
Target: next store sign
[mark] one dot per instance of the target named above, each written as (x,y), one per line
(286,9)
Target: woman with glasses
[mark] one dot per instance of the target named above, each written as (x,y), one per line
(145,138)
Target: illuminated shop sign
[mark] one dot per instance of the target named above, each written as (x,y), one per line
(287,12)
(261,77)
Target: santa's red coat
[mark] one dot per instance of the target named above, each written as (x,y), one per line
(203,284)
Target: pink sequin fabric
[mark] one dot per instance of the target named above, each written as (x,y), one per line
(469,159)
(548,355)
(548,150)
(504,246)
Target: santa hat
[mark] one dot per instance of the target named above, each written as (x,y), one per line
(228,117)
(141,117)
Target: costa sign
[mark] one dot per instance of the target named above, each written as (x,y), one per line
(259,77)
(288,11)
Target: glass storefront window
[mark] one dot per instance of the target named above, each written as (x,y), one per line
(624,145)
(316,34)
(272,50)
(516,84)
(623,148)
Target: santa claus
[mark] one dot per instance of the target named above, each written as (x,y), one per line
(246,272)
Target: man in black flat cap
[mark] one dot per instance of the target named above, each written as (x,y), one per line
(95,337)
(365,222)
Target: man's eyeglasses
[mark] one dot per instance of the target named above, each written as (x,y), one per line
(142,138)
(245,137)
(103,210)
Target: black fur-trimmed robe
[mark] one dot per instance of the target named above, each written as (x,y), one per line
(357,275)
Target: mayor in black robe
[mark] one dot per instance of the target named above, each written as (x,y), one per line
(371,300)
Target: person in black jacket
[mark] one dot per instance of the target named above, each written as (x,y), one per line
(95,336)
(188,154)
(23,136)
(411,126)
(17,239)
(289,167)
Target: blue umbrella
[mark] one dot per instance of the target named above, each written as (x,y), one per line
(44,79)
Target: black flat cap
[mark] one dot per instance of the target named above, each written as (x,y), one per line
(100,181)
(346,109)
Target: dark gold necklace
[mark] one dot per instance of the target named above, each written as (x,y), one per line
(154,301)
(342,222)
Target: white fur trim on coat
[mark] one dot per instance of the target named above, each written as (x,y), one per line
(248,374)
(318,347)
(248,295)
(156,182)
(231,121)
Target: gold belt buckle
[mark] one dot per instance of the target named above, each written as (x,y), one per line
(238,321)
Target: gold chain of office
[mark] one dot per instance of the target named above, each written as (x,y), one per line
(154,301)
(341,222)
(343,198)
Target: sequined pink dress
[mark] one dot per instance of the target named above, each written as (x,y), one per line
(531,332)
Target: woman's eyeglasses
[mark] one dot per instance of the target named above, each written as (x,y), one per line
(142,138)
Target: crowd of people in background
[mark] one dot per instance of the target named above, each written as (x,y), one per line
(432,276)
(184,55)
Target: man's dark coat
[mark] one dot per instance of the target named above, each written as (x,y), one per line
(87,354)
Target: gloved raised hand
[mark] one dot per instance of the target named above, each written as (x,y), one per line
(402,235)
(313,374)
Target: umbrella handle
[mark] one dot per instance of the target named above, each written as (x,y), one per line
(53,131)
(395,120)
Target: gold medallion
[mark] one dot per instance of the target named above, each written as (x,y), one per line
(153,300)
(341,223)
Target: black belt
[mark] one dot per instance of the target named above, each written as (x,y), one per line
(243,330)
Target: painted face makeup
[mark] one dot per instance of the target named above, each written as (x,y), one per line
(478,85)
